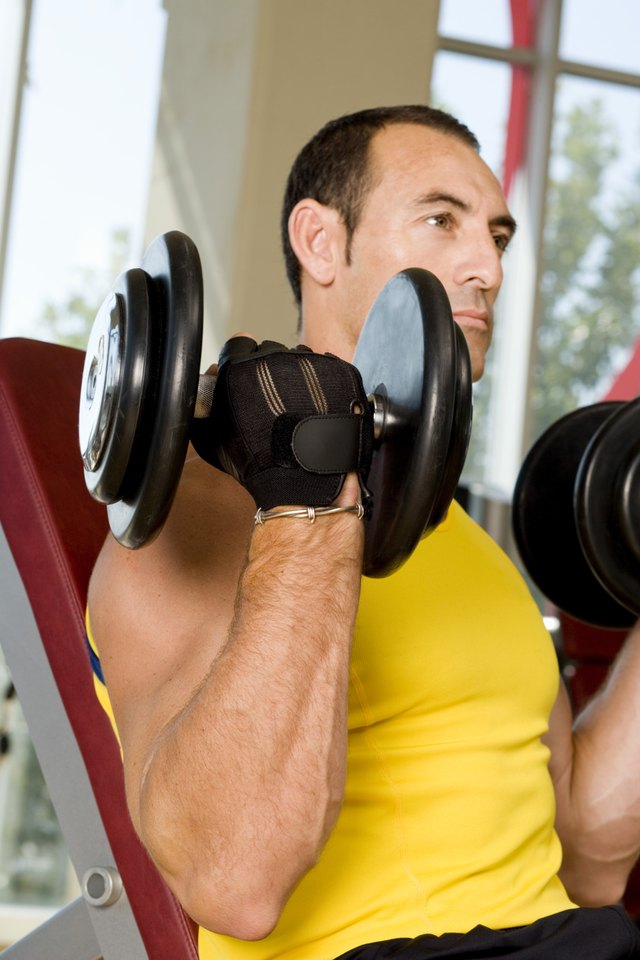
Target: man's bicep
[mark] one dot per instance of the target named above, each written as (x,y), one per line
(133,613)
(160,614)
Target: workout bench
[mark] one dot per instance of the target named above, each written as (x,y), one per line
(50,534)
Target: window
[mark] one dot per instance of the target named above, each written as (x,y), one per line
(590,267)
(84,151)
(488,22)
(33,862)
(589,38)
(568,323)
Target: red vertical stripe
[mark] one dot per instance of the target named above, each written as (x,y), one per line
(523,29)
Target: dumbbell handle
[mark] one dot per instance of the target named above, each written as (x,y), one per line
(383,419)
(204,397)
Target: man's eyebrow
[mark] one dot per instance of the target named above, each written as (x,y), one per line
(505,220)
(439,196)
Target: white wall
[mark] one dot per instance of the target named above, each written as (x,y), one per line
(245,84)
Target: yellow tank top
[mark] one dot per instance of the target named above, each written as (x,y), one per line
(448,813)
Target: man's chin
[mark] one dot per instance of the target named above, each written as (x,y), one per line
(477,368)
(478,347)
(477,357)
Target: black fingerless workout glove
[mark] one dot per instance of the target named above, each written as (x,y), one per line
(289,424)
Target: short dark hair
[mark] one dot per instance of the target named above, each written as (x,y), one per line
(333,168)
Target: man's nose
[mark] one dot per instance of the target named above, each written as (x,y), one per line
(480,263)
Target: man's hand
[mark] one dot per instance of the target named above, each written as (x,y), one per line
(289,424)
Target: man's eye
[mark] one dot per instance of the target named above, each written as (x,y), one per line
(501,241)
(439,219)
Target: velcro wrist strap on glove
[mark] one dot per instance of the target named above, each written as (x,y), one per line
(328,443)
(289,424)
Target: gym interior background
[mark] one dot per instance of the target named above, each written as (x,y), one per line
(121,120)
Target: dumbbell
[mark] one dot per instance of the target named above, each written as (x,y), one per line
(142,389)
(576,513)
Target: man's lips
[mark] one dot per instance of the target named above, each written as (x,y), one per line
(472,318)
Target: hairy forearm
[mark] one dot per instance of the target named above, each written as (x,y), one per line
(240,791)
(604,840)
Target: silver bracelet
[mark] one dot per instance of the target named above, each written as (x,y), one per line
(307,513)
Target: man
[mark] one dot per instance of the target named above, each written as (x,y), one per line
(318,762)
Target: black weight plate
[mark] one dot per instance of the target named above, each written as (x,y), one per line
(460,431)
(406,353)
(607,505)
(630,504)
(173,266)
(132,343)
(544,522)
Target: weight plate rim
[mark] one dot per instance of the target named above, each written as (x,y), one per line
(460,435)
(631,486)
(598,520)
(88,430)
(388,545)
(600,608)
(131,292)
(173,265)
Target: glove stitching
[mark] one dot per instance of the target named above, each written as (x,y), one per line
(313,385)
(269,390)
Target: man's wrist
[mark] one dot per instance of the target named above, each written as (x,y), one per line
(306,513)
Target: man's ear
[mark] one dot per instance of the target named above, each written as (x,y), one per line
(316,236)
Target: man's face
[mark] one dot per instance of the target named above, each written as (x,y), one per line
(434,204)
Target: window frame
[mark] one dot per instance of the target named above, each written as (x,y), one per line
(509,428)
(15,24)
